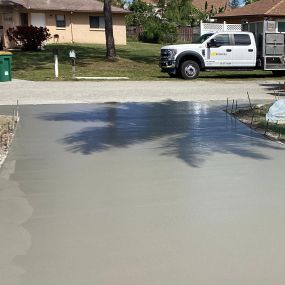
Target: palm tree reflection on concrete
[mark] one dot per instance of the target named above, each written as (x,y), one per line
(189,131)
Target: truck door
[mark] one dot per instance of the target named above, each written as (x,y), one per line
(243,51)
(219,54)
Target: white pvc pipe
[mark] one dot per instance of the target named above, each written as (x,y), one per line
(56,66)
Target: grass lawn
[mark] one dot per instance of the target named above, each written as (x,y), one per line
(138,61)
(257,120)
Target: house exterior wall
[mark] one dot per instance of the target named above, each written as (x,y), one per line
(9,17)
(78,28)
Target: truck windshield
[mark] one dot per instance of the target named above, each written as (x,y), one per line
(202,38)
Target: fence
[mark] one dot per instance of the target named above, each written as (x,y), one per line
(218,27)
(185,34)
(133,32)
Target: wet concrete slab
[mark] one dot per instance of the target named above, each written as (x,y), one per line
(156,193)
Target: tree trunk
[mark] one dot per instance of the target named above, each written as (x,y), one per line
(110,44)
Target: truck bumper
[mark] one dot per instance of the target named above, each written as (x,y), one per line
(167,66)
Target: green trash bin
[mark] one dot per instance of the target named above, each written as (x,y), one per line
(5,66)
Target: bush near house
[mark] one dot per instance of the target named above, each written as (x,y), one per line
(29,38)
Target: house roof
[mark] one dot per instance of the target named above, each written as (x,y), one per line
(13,2)
(259,8)
(65,5)
(200,4)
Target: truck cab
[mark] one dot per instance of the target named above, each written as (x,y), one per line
(221,50)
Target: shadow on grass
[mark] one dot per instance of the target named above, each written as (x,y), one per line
(187,131)
(275,89)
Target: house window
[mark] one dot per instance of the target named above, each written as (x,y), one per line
(96,22)
(222,40)
(60,21)
(281,27)
(242,40)
(24,20)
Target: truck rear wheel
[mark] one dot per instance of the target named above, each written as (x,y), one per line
(189,69)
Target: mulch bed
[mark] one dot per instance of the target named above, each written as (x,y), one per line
(255,119)
(7,128)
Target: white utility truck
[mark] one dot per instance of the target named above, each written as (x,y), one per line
(227,51)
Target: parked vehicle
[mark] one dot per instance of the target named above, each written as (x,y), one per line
(226,51)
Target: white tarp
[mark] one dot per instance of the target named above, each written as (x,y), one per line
(276,113)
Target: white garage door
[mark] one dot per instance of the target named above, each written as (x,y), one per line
(38,19)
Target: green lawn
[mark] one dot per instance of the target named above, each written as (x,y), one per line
(256,118)
(138,61)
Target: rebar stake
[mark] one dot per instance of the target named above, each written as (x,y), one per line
(233,106)
(252,118)
(249,101)
(266,128)
(227,104)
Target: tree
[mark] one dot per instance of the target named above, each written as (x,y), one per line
(207,13)
(119,3)
(179,12)
(141,12)
(110,43)
(234,4)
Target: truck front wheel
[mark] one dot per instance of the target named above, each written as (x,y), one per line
(189,69)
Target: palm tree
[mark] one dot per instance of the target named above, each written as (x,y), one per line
(110,43)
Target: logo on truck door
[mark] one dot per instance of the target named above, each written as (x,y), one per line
(214,53)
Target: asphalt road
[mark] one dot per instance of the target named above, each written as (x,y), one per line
(146,194)
(52,92)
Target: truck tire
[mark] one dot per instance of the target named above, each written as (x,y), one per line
(189,69)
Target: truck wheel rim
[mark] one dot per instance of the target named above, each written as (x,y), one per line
(190,71)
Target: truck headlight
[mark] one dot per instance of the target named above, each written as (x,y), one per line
(168,54)
(171,53)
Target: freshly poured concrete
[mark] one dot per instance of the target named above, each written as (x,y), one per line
(145,194)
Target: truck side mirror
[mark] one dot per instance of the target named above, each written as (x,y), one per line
(212,43)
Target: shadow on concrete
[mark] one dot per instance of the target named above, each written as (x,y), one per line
(190,132)
(275,89)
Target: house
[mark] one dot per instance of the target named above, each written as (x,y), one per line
(202,5)
(207,5)
(256,12)
(79,21)
(263,15)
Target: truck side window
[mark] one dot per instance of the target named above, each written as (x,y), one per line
(242,40)
(222,40)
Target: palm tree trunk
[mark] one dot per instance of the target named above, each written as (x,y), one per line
(110,44)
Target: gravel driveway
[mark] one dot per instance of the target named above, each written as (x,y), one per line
(28,92)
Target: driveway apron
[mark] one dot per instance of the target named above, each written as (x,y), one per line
(147,194)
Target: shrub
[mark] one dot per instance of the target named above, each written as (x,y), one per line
(157,31)
(29,37)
